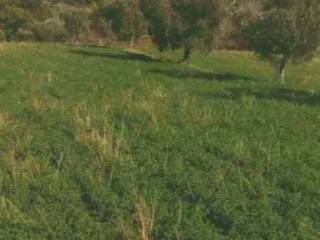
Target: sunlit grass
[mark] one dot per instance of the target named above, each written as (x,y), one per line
(106,144)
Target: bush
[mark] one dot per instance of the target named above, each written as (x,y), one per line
(50,30)
(25,35)
(76,23)
(2,35)
(101,33)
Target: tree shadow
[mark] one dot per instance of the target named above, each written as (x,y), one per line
(123,56)
(279,94)
(96,208)
(190,73)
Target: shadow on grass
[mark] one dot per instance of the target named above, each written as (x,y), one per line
(94,206)
(199,74)
(278,94)
(123,56)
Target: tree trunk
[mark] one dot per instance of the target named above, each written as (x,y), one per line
(187,53)
(132,42)
(282,71)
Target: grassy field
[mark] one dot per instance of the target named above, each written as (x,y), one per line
(105,144)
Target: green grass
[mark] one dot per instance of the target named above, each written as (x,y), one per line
(103,144)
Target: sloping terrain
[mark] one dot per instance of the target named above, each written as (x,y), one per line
(105,144)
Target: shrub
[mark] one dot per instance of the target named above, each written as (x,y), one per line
(2,35)
(76,22)
(101,32)
(50,30)
(25,35)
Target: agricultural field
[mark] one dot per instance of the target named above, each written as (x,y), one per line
(100,143)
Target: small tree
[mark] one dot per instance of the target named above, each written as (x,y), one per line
(180,23)
(76,22)
(288,31)
(126,19)
(159,16)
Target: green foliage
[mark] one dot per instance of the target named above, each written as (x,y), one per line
(90,149)
(289,32)
(13,19)
(158,15)
(239,14)
(25,35)
(180,23)
(51,29)
(127,21)
(76,22)
(102,30)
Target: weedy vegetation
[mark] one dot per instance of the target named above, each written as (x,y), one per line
(100,143)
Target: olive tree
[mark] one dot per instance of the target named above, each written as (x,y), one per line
(159,16)
(180,23)
(286,31)
(126,19)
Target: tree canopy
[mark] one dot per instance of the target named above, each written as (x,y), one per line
(285,31)
(180,23)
